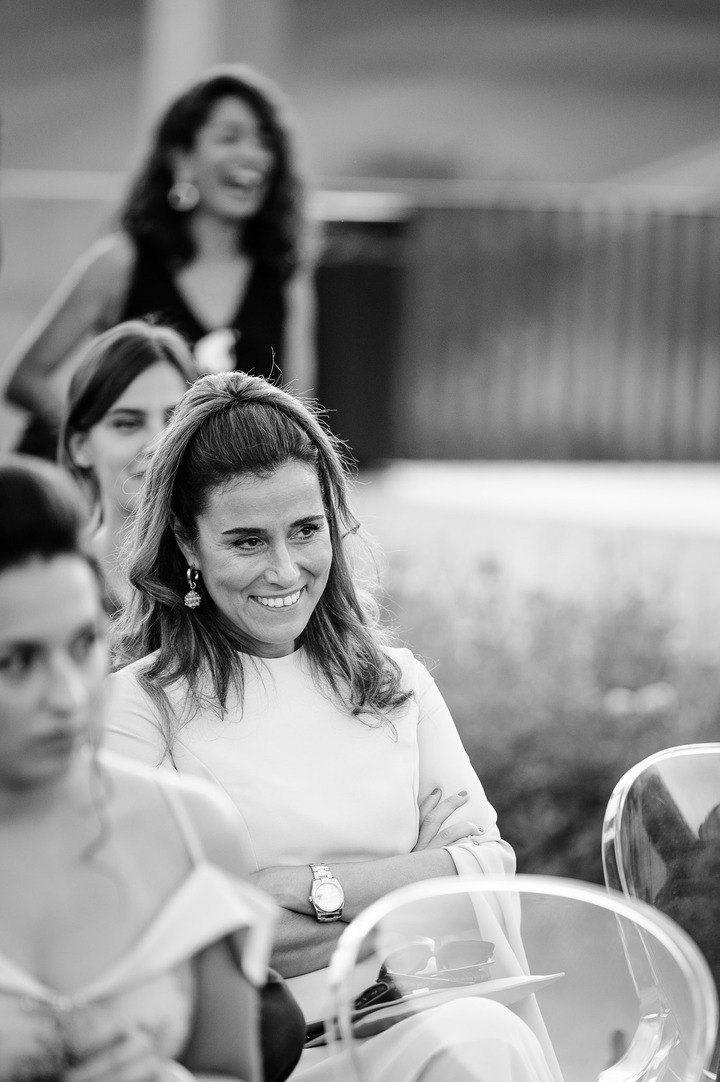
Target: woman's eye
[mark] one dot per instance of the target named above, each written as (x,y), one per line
(126,426)
(305,533)
(83,644)
(248,544)
(17,662)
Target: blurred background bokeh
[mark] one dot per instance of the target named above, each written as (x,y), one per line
(518,334)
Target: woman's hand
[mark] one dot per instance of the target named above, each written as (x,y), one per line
(434,811)
(123,1055)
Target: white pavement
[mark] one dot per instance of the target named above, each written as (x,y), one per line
(570,528)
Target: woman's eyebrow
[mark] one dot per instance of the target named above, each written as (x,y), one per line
(256,531)
(24,643)
(260,531)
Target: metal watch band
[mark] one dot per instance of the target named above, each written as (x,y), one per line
(321,871)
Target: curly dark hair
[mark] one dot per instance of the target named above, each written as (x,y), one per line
(277,235)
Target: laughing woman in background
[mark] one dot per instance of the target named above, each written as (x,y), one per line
(213,242)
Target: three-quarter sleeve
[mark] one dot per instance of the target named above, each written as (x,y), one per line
(444,764)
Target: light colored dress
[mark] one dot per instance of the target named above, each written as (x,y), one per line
(313,783)
(151,986)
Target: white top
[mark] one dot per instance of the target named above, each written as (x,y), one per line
(312,782)
(152,986)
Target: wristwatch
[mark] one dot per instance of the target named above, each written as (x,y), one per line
(327,896)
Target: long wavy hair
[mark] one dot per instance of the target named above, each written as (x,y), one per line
(109,364)
(226,426)
(277,236)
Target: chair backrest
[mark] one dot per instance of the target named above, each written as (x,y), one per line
(661,840)
(565,961)
(665,807)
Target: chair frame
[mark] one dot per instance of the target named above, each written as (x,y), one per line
(690,961)
(613,868)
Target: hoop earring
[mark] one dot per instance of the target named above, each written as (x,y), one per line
(183,196)
(192,598)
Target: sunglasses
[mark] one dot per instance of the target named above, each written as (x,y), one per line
(456,962)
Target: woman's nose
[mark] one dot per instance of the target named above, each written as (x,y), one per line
(66,689)
(281,570)
(153,430)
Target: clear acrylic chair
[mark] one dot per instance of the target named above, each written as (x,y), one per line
(598,986)
(661,840)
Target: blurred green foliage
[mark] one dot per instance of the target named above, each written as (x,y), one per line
(556,698)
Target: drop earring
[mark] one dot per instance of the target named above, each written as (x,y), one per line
(183,196)
(192,598)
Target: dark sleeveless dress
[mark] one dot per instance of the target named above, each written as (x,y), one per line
(258,325)
(258,322)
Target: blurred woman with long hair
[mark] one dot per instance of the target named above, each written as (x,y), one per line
(213,241)
(122,395)
(130,947)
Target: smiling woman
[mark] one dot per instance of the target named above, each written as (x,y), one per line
(263,547)
(271,677)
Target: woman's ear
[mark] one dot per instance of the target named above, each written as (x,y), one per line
(181,166)
(183,543)
(80,451)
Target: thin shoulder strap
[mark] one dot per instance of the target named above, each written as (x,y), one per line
(185,824)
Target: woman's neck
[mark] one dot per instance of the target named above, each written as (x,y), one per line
(216,238)
(106,543)
(39,802)
(109,534)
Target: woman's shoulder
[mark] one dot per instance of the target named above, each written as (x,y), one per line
(105,269)
(411,667)
(128,676)
(215,819)
(111,256)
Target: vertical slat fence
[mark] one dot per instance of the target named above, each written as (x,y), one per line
(582,332)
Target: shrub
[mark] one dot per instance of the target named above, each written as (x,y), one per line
(555,698)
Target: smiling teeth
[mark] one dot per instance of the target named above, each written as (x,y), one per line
(279,602)
(246,180)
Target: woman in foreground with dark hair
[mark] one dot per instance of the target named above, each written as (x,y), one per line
(130,949)
(122,395)
(255,660)
(213,242)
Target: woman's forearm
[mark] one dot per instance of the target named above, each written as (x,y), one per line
(363,882)
(302,943)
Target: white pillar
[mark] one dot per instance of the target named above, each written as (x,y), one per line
(181,38)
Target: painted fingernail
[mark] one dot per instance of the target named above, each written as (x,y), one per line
(463,792)
(434,792)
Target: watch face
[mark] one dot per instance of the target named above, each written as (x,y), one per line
(328,897)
